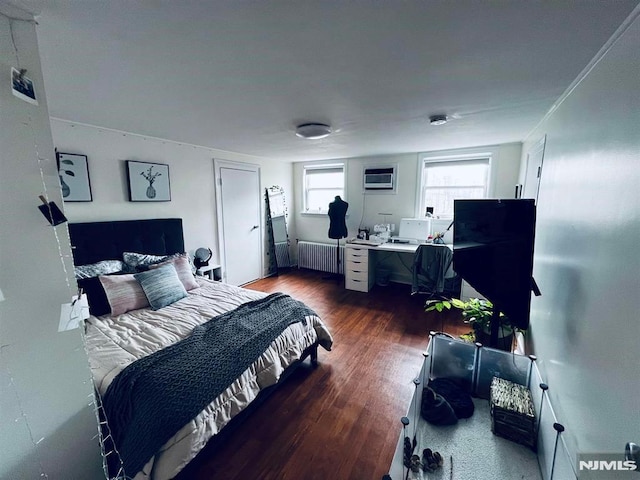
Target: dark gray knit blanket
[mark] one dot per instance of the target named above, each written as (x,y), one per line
(154,397)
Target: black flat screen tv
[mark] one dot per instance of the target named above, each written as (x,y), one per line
(493,251)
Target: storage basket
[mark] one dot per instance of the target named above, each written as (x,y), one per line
(512,413)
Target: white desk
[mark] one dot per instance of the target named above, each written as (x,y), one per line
(359,267)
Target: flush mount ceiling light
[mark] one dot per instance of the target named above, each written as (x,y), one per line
(313,131)
(438,119)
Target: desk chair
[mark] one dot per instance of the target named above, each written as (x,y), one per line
(432,272)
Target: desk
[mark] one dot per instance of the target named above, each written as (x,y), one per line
(359,267)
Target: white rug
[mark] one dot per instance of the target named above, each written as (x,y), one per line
(474,451)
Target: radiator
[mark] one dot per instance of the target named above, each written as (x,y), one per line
(319,256)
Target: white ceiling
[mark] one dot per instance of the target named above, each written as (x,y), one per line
(239,75)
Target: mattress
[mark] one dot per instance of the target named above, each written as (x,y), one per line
(113,343)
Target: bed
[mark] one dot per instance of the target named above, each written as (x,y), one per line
(120,345)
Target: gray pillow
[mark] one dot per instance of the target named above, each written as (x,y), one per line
(162,286)
(135,262)
(100,268)
(139,262)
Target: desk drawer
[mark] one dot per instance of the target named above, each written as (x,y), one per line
(358,263)
(359,254)
(357,274)
(355,284)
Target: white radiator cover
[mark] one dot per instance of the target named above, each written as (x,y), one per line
(320,256)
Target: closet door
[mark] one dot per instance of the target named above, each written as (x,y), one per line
(239,225)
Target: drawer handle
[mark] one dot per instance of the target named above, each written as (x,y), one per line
(356,262)
(354,280)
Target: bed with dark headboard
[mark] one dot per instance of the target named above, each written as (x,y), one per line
(123,344)
(95,241)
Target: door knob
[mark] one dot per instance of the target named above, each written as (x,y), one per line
(254,227)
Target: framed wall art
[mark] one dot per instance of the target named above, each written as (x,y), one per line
(22,87)
(148,182)
(73,170)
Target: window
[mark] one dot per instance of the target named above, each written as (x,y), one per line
(453,178)
(321,185)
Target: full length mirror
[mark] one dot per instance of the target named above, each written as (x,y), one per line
(277,227)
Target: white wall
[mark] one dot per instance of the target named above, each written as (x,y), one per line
(365,209)
(191,173)
(46,423)
(585,327)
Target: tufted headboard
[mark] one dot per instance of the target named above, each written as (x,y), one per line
(95,241)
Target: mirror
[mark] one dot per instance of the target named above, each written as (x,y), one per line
(278,237)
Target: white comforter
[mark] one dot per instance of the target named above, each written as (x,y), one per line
(115,342)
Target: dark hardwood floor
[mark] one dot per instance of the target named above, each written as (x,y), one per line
(340,420)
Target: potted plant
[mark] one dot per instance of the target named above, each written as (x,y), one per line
(478,314)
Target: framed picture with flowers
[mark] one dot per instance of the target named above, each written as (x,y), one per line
(148,182)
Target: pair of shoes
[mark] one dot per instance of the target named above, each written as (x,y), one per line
(431,461)
(415,463)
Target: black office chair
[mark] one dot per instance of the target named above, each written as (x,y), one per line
(433,273)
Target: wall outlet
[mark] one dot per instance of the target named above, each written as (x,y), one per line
(72,314)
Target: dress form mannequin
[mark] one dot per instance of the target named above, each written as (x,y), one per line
(338,225)
(337,214)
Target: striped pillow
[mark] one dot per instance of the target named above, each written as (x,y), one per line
(161,286)
(181,264)
(124,293)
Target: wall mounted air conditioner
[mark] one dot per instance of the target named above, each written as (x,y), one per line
(379,178)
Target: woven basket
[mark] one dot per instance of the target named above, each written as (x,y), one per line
(512,413)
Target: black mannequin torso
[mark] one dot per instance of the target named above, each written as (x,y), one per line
(337,218)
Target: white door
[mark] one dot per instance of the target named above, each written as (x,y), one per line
(240,221)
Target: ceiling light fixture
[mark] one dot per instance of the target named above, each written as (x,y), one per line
(438,119)
(313,131)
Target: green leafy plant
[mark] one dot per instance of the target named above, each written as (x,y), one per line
(475,312)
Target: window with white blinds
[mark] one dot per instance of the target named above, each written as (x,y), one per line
(322,183)
(444,181)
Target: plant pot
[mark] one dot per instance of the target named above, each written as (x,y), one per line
(505,338)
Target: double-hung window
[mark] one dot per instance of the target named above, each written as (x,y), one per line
(322,183)
(446,179)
